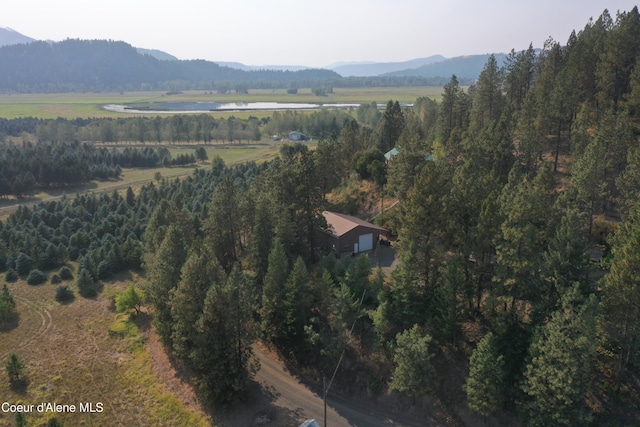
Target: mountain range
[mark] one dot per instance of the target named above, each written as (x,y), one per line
(465,67)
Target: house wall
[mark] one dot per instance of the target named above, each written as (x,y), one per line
(348,240)
(329,242)
(345,243)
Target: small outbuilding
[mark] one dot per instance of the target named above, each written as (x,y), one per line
(346,233)
(297,136)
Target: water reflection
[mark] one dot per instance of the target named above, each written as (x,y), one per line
(206,107)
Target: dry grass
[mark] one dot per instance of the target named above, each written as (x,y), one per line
(71,357)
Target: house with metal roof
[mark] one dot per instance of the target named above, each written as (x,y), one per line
(389,155)
(297,136)
(348,234)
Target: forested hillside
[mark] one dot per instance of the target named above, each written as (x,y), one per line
(518,225)
(101,65)
(97,65)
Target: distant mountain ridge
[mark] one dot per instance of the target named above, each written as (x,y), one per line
(170,68)
(97,65)
(158,54)
(379,68)
(464,67)
(9,36)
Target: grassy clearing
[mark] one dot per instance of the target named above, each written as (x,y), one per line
(72,105)
(71,357)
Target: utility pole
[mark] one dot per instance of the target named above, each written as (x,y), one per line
(326,387)
(324,398)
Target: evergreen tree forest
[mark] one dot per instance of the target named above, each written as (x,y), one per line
(518,234)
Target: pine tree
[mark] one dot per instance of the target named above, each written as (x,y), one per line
(413,370)
(447,114)
(163,276)
(621,296)
(223,227)
(485,386)
(566,260)
(562,364)
(262,237)
(391,126)
(628,182)
(7,306)
(273,293)
(222,353)
(85,283)
(297,305)
(130,197)
(199,272)
(488,100)
(14,367)
(525,233)
(618,57)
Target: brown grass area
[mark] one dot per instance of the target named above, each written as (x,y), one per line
(71,358)
(358,197)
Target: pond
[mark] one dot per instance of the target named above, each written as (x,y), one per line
(207,107)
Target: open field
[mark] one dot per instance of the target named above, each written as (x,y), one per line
(71,357)
(72,105)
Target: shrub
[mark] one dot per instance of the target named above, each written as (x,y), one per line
(36,277)
(63,293)
(55,279)
(66,273)
(11,275)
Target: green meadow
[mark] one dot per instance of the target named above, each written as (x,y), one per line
(73,105)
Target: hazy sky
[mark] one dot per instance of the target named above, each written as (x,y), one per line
(309,32)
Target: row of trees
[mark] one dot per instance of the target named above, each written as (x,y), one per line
(27,166)
(175,128)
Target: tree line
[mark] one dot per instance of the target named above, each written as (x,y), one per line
(27,166)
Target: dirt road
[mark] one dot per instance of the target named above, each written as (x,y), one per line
(290,393)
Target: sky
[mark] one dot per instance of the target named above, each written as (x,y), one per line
(314,33)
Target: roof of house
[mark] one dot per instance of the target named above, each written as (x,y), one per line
(391,153)
(341,224)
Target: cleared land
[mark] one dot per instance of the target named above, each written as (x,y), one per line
(72,105)
(84,352)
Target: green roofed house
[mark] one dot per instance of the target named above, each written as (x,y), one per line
(389,155)
(348,234)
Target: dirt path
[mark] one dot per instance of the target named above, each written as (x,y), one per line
(45,324)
